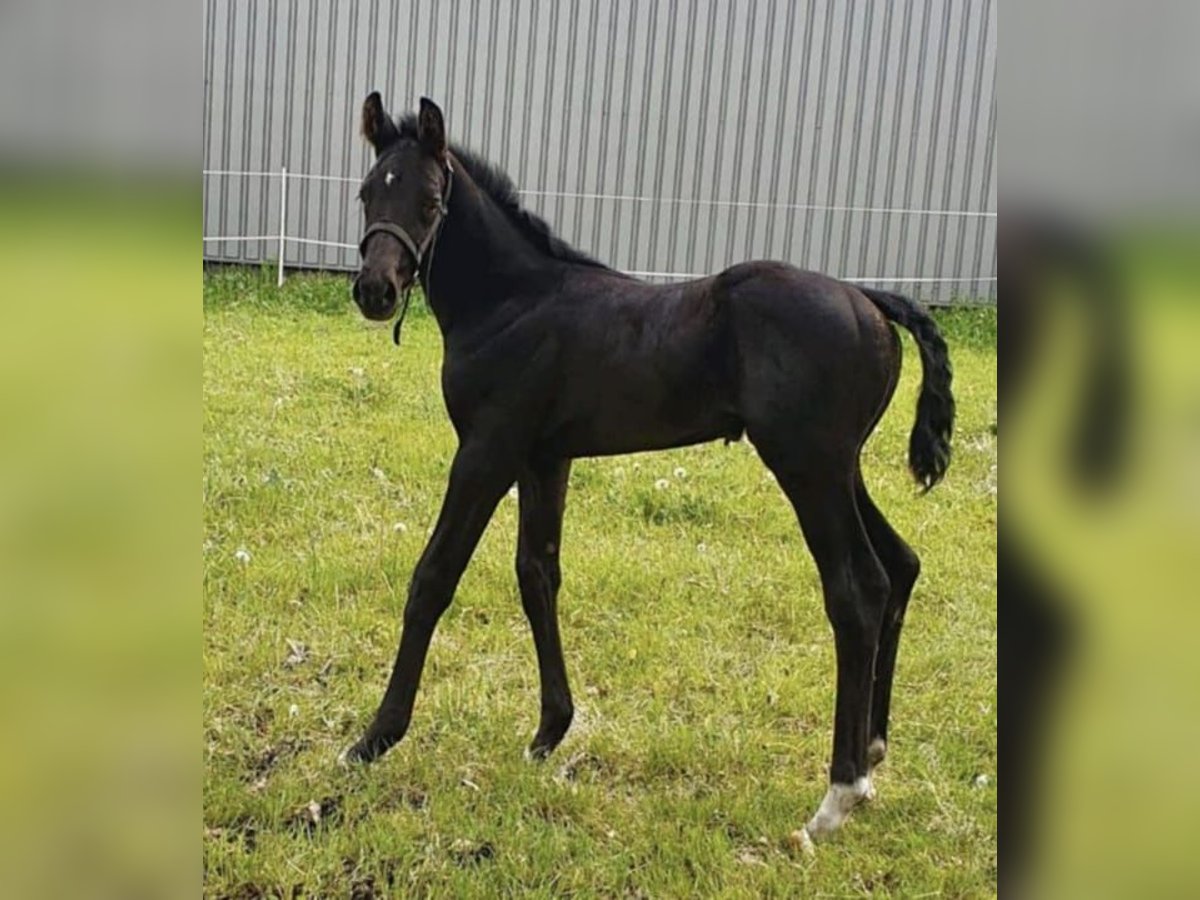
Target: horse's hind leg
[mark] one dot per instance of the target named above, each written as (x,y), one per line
(903,567)
(856,589)
(543,491)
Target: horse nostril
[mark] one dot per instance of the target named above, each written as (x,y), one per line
(389,291)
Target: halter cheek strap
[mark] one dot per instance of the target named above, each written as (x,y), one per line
(416,251)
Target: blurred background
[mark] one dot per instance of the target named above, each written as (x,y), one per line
(100,518)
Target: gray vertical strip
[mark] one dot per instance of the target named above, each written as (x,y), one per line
(564,137)
(814,172)
(585,140)
(739,139)
(624,138)
(835,154)
(529,60)
(209,57)
(853,177)
(985,188)
(390,82)
(910,169)
(965,198)
(894,155)
(664,114)
(372,47)
(267,160)
(931,156)
(882,76)
(347,129)
(489,68)
(759,130)
(306,131)
(331,57)
(226,130)
(681,138)
(245,132)
(411,59)
(709,259)
(690,260)
(506,119)
(802,98)
(289,67)
(946,175)
(454,51)
(643,134)
(548,82)
(607,110)
(774,192)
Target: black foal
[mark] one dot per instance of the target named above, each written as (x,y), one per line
(550,355)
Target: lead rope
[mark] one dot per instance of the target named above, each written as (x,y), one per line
(431,245)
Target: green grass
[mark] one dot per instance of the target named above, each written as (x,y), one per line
(698,650)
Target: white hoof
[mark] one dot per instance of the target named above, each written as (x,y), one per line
(839,800)
(800,840)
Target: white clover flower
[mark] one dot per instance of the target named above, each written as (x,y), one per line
(293,711)
(356,371)
(662,484)
(680,472)
(378,473)
(242,555)
(702,548)
(400,528)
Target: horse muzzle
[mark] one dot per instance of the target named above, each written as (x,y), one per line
(375,295)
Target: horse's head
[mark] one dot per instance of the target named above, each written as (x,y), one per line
(403,197)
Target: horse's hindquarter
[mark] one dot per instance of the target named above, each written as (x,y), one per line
(810,348)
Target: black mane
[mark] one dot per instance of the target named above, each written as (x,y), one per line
(496,183)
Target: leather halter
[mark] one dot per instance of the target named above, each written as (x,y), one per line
(417,251)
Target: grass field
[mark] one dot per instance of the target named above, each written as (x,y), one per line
(699,654)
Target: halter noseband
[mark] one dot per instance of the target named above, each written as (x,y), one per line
(415,250)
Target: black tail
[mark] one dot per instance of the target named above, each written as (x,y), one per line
(929,444)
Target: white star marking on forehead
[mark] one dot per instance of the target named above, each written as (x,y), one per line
(389,178)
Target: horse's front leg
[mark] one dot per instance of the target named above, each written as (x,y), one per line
(543,498)
(478,479)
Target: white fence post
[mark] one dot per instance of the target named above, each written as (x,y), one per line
(283,186)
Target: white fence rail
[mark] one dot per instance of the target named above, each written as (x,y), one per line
(283,238)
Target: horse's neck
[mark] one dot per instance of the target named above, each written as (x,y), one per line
(480,258)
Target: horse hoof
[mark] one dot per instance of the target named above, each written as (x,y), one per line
(839,800)
(800,840)
(359,754)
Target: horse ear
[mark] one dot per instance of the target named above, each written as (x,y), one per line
(377,125)
(431,129)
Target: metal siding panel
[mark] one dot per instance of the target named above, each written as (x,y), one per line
(712,132)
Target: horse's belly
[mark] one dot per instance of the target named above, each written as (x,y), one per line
(632,424)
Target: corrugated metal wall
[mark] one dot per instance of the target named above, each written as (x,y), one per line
(668,137)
